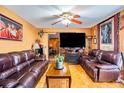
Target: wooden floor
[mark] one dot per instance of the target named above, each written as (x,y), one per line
(80,80)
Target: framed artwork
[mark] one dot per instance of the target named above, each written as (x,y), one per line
(107,35)
(10,29)
(121,21)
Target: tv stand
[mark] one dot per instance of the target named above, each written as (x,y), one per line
(72,58)
(71,54)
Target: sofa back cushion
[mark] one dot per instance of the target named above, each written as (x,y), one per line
(18,58)
(112,57)
(29,54)
(93,52)
(5,62)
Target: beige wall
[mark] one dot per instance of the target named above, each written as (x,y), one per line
(121,37)
(29,34)
(94,32)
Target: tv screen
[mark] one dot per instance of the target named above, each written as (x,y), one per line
(72,40)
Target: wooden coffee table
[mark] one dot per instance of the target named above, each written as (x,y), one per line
(53,73)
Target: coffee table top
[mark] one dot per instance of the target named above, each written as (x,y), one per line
(53,72)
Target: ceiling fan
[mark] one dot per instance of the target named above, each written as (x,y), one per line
(66,18)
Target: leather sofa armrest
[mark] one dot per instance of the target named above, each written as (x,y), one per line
(8,83)
(105,66)
(40,58)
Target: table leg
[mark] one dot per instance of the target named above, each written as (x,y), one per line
(47,82)
(69,82)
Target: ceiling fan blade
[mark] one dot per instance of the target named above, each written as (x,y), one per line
(56,22)
(76,16)
(76,21)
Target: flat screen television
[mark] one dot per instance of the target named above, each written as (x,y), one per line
(72,40)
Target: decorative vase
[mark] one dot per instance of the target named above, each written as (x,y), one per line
(59,65)
(59,61)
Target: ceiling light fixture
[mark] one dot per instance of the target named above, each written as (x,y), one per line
(66,22)
(66,18)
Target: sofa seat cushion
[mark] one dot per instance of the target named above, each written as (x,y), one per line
(8,73)
(8,83)
(28,80)
(38,68)
(21,66)
(20,73)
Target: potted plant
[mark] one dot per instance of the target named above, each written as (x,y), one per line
(59,61)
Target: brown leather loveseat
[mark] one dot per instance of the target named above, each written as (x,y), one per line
(20,69)
(102,66)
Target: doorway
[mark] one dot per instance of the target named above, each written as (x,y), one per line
(53,46)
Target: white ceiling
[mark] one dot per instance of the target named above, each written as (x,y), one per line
(41,16)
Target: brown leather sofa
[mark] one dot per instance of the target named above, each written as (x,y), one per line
(102,66)
(20,69)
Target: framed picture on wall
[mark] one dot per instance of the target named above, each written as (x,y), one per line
(107,35)
(10,29)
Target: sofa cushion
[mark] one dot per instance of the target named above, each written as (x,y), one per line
(28,54)
(38,68)
(21,66)
(8,83)
(31,55)
(18,57)
(5,62)
(93,52)
(112,57)
(7,73)
(23,70)
(28,80)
